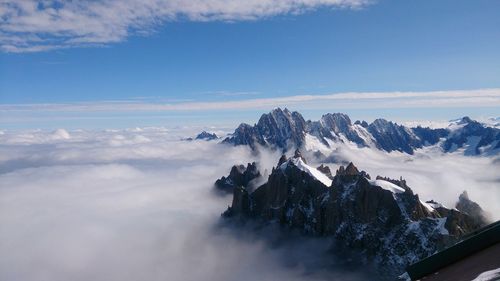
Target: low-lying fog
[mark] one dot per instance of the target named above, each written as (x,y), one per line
(138,205)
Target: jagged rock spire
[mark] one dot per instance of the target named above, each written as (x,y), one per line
(464,195)
(325,170)
(471,208)
(298,154)
(350,170)
(282,160)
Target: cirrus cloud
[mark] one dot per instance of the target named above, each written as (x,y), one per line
(35,25)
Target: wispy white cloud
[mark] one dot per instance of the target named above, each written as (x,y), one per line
(444,99)
(34,25)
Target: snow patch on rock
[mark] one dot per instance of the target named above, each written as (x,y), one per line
(299,163)
(387,186)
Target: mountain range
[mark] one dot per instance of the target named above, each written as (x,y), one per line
(286,130)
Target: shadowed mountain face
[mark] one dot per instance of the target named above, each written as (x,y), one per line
(382,218)
(239,176)
(284,130)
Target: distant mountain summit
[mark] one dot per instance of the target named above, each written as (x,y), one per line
(476,137)
(382,218)
(279,128)
(204,136)
(285,130)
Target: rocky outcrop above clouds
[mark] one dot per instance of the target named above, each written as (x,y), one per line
(206,136)
(381,218)
(203,136)
(239,176)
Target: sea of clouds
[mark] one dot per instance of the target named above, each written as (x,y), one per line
(138,204)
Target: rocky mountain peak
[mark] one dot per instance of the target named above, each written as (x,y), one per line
(282,160)
(363,123)
(206,136)
(338,122)
(280,128)
(470,207)
(239,176)
(350,170)
(464,196)
(298,154)
(465,120)
(325,170)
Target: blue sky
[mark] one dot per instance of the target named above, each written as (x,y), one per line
(381,46)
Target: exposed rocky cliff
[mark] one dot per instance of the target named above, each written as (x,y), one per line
(239,176)
(382,218)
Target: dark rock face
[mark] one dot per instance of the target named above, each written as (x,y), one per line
(284,130)
(470,207)
(246,135)
(240,176)
(325,170)
(363,123)
(429,136)
(393,137)
(382,218)
(206,136)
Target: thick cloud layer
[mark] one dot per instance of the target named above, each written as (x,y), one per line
(129,205)
(138,205)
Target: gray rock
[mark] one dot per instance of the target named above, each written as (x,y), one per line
(239,176)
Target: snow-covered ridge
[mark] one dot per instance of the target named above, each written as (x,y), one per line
(387,186)
(299,163)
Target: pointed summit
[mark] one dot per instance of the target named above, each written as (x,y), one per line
(282,160)
(471,208)
(465,120)
(325,170)
(351,170)
(298,154)
(206,136)
(464,196)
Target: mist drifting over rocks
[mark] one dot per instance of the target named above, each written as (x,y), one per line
(139,205)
